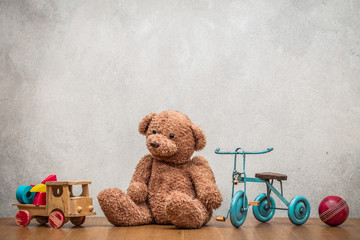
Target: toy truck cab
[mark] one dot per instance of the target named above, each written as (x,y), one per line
(60,197)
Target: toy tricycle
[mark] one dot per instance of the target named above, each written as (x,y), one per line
(61,205)
(264,205)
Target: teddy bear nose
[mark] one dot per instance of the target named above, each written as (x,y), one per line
(154,144)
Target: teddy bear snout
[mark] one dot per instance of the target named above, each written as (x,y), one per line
(159,145)
(154,144)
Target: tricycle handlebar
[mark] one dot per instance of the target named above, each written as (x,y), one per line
(242,151)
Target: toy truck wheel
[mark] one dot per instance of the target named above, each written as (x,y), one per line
(42,220)
(56,219)
(77,221)
(263,212)
(299,210)
(238,209)
(23,218)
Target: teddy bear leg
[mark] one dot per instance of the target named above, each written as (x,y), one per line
(120,210)
(186,212)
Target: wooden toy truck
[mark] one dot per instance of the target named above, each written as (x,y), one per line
(61,205)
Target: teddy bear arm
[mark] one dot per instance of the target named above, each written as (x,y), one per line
(138,189)
(204,182)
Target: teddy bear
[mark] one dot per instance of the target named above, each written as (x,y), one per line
(169,186)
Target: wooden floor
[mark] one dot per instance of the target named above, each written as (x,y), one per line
(99,228)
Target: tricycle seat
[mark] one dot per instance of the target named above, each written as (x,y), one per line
(271,175)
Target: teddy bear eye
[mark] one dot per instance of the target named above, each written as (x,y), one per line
(154,131)
(171,135)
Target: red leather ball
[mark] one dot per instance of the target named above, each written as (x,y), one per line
(333,210)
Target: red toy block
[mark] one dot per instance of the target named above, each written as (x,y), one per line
(36,198)
(49,179)
(40,198)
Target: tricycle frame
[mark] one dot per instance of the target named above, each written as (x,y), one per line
(298,214)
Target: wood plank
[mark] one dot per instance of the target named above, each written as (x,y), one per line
(52,183)
(35,210)
(29,205)
(271,175)
(100,228)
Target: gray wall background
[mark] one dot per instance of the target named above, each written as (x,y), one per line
(76,77)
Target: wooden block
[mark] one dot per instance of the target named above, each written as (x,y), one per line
(254,203)
(39,188)
(50,178)
(220,218)
(40,198)
(36,198)
(24,195)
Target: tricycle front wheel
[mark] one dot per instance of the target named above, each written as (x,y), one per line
(264,212)
(299,210)
(238,209)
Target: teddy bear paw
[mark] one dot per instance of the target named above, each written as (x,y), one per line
(211,198)
(137,192)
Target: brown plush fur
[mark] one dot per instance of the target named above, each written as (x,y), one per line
(167,187)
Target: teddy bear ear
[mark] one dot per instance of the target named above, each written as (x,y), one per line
(144,124)
(200,139)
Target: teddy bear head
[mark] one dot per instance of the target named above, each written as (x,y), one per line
(171,136)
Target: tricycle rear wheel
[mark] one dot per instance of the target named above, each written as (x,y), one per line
(264,212)
(299,210)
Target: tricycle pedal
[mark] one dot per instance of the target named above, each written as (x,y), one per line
(254,203)
(220,218)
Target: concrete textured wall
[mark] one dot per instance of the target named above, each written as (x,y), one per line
(76,77)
